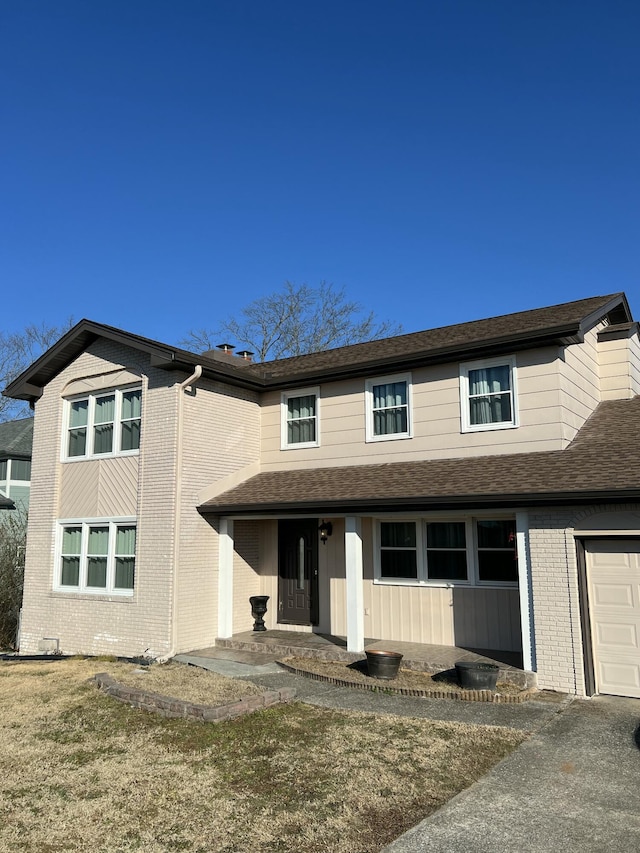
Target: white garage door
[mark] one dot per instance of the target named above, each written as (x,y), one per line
(613,569)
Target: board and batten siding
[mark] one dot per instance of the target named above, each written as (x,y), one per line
(486,618)
(96,624)
(436,419)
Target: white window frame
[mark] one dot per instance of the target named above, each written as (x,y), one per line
(423,580)
(369,426)
(118,421)
(465,420)
(284,418)
(82,588)
(10,482)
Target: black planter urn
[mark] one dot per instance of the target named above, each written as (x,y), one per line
(258,609)
(383,665)
(476,675)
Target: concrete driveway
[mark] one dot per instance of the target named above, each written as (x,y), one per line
(573,787)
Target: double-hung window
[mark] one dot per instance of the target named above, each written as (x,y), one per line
(388,404)
(497,554)
(446,551)
(96,557)
(300,418)
(398,550)
(103,424)
(468,551)
(488,395)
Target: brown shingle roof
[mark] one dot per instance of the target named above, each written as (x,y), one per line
(559,324)
(553,323)
(602,463)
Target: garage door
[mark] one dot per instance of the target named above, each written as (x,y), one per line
(613,569)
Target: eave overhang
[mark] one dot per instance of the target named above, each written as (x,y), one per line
(259,377)
(374,506)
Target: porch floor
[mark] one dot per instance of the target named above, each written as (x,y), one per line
(266,647)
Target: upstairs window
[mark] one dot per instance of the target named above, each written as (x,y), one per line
(388,408)
(97,557)
(488,395)
(104,424)
(300,418)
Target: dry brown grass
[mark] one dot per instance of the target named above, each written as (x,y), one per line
(80,772)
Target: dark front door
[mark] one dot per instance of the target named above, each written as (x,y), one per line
(298,571)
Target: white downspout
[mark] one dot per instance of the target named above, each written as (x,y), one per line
(182,387)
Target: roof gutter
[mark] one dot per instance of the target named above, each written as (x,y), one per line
(423,503)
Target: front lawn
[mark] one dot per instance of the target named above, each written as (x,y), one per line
(80,771)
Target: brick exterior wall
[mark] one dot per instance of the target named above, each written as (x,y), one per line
(174,605)
(98,624)
(220,435)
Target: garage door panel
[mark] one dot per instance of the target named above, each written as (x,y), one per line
(620,679)
(614,595)
(613,570)
(616,636)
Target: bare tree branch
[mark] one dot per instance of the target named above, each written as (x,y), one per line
(295,320)
(17,351)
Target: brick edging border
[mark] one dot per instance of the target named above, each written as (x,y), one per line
(168,706)
(386,687)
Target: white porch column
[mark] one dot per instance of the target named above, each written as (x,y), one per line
(526,592)
(225,578)
(355,595)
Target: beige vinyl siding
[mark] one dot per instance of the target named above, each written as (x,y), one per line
(220,435)
(580,383)
(620,367)
(634,362)
(90,624)
(436,420)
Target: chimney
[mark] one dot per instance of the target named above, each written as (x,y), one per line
(245,355)
(227,349)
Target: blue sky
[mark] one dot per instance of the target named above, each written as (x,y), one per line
(164,163)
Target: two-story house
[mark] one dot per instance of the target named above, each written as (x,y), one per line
(476,485)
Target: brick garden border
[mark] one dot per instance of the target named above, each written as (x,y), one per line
(168,706)
(387,687)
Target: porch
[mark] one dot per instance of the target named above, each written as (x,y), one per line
(261,648)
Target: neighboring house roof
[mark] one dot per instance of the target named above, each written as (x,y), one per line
(601,464)
(554,325)
(16,439)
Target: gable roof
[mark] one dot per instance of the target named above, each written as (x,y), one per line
(16,439)
(601,464)
(554,325)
